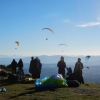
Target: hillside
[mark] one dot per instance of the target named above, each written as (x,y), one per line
(89,91)
(19,91)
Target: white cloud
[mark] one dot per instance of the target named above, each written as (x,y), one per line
(66,21)
(88,24)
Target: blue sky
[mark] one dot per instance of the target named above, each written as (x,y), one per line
(75,23)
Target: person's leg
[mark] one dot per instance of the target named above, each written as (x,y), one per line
(82,80)
(12,71)
(33,76)
(15,70)
(63,73)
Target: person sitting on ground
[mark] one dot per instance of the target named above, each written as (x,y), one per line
(61,66)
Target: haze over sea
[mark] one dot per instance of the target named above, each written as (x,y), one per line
(90,75)
(49,65)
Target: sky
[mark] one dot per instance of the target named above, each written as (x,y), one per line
(75,23)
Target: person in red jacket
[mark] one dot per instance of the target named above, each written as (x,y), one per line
(61,66)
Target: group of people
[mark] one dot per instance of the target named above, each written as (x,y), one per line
(19,67)
(15,65)
(71,75)
(36,66)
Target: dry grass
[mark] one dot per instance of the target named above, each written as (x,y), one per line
(18,91)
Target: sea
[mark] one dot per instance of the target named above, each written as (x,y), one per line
(90,75)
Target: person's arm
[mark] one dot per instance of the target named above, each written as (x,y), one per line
(22,64)
(41,65)
(11,64)
(75,66)
(30,67)
(82,65)
(66,66)
(18,64)
(58,64)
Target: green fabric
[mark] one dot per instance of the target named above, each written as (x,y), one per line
(56,82)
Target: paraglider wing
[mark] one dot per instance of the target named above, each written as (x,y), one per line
(17,43)
(87,58)
(87,67)
(62,44)
(49,29)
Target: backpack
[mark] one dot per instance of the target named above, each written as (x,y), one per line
(69,71)
(78,68)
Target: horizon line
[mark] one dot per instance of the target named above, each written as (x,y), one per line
(43,55)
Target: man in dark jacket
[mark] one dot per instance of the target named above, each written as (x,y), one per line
(61,66)
(20,68)
(39,67)
(14,65)
(33,67)
(78,71)
(20,64)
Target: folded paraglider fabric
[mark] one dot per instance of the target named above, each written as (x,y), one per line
(53,81)
(58,76)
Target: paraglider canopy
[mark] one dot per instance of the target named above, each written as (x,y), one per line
(48,29)
(62,44)
(17,43)
(87,58)
(87,67)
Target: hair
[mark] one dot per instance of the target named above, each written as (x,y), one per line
(62,58)
(79,59)
(32,57)
(20,59)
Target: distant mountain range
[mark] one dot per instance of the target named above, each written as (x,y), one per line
(94,60)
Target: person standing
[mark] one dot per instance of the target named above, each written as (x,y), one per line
(78,71)
(20,68)
(33,67)
(14,66)
(39,67)
(20,65)
(61,66)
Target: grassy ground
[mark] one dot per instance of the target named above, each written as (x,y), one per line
(18,91)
